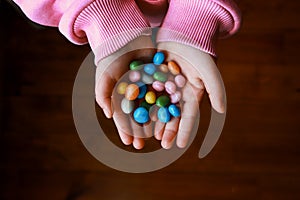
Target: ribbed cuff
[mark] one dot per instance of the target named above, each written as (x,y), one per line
(197,24)
(107,25)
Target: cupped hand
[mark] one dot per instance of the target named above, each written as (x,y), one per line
(200,71)
(202,74)
(108,73)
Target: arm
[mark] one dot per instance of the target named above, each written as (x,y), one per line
(198,23)
(45,12)
(97,22)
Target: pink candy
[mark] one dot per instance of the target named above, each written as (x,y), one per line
(158,86)
(170,87)
(175,98)
(134,76)
(180,80)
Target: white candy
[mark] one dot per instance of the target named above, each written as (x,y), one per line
(127,106)
(147,79)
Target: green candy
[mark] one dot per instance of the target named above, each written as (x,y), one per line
(145,105)
(136,65)
(160,76)
(162,101)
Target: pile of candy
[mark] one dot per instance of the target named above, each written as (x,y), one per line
(152,90)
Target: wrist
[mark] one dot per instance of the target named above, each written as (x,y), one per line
(107,25)
(198,23)
(130,50)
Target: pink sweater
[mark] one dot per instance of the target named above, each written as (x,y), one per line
(99,22)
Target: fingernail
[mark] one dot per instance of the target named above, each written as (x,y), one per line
(181,144)
(127,141)
(106,113)
(221,108)
(158,136)
(138,144)
(165,145)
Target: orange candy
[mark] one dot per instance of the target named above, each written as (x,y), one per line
(132,92)
(173,68)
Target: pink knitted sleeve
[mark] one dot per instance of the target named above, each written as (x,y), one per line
(198,23)
(99,22)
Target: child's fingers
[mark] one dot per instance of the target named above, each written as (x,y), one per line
(148,129)
(137,130)
(123,126)
(103,90)
(138,135)
(159,129)
(170,133)
(186,124)
(191,97)
(138,143)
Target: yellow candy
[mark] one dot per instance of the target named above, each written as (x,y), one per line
(174,68)
(150,97)
(122,88)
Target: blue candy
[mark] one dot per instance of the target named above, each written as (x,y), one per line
(141,115)
(174,110)
(143,89)
(158,58)
(163,115)
(149,68)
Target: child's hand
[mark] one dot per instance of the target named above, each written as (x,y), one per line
(109,71)
(201,73)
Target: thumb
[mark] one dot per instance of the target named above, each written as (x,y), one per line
(211,78)
(213,83)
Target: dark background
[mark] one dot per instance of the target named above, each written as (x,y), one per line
(257,156)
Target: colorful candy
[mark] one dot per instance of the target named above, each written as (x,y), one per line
(132,92)
(173,68)
(142,90)
(145,105)
(174,110)
(149,69)
(159,76)
(134,76)
(141,115)
(153,113)
(158,86)
(150,97)
(122,87)
(170,87)
(127,106)
(136,65)
(175,98)
(163,115)
(152,91)
(162,101)
(158,58)
(180,80)
(147,79)
(163,68)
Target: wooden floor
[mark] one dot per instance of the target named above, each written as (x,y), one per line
(257,156)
